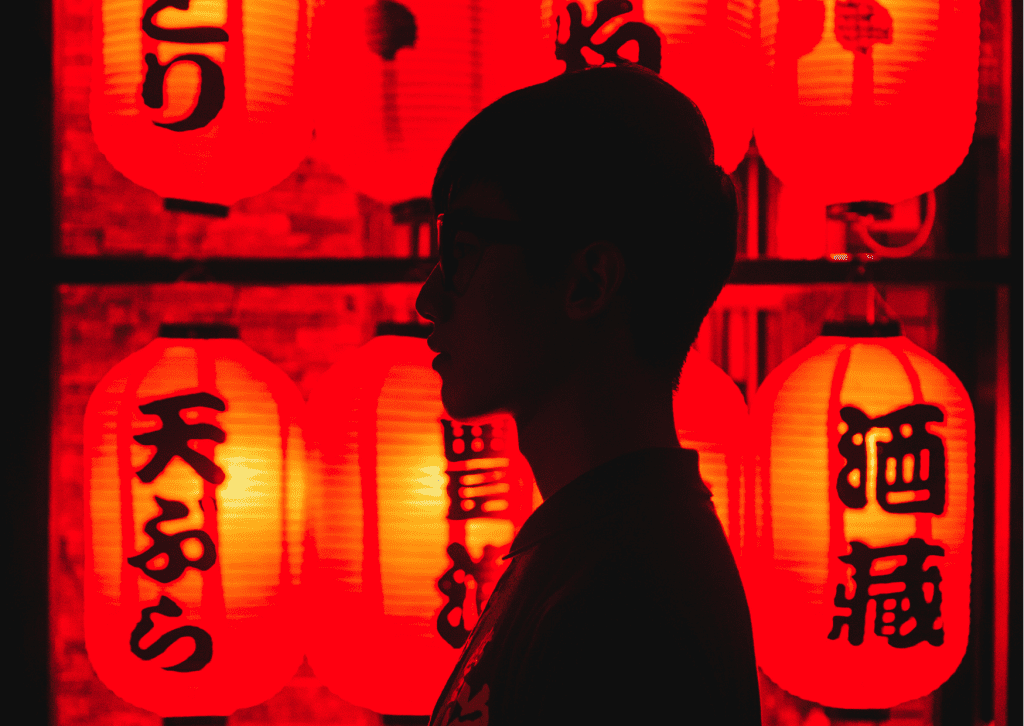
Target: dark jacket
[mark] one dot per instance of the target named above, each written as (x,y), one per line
(622,604)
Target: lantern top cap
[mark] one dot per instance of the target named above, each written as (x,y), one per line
(197,331)
(862,329)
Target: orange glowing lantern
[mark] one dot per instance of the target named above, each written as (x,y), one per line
(413,513)
(711,418)
(195,464)
(397,80)
(184,93)
(864,457)
(702,47)
(867,100)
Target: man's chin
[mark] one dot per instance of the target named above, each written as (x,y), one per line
(462,405)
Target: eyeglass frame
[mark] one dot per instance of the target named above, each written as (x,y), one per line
(488,231)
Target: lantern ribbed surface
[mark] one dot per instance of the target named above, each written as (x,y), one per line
(402,495)
(860,585)
(711,418)
(867,100)
(213,533)
(397,80)
(707,52)
(180,99)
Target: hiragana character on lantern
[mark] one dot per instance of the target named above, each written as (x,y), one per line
(582,36)
(211,78)
(172,438)
(484,573)
(907,597)
(907,461)
(169,545)
(199,658)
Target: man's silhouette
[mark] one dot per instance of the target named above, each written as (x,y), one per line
(585,232)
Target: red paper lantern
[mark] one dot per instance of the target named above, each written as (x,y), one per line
(702,47)
(194,466)
(864,455)
(413,513)
(711,418)
(867,100)
(400,79)
(204,103)
(397,80)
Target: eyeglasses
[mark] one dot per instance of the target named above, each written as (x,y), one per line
(462,239)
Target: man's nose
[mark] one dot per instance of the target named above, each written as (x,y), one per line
(432,302)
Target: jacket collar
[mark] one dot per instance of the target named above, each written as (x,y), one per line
(609,490)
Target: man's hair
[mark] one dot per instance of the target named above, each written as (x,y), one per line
(615,154)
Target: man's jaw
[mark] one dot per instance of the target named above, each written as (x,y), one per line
(441,360)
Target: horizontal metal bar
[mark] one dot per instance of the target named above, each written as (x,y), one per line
(968,271)
(121,270)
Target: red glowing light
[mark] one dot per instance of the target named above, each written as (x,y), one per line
(706,52)
(413,73)
(842,522)
(194,527)
(397,80)
(867,101)
(711,418)
(412,513)
(205,103)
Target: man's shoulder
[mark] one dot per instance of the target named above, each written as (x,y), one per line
(655,513)
(666,550)
(631,630)
(623,603)
(654,542)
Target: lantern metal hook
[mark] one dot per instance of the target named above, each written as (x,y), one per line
(860,221)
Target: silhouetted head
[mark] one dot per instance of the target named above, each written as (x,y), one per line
(610,155)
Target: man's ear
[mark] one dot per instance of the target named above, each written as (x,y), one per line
(596,273)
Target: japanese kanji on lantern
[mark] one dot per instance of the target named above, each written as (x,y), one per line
(711,418)
(202,102)
(195,465)
(397,80)
(867,100)
(702,47)
(864,457)
(413,513)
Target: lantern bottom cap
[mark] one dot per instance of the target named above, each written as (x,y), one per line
(207,209)
(839,715)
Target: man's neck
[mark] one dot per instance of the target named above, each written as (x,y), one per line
(593,417)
